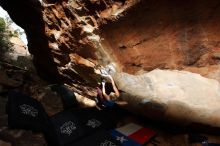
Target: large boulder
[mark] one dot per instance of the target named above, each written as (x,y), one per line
(172,95)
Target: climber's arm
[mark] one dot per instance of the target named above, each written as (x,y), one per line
(116,92)
(113,95)
(107,97)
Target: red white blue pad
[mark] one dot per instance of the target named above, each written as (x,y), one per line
(133,134)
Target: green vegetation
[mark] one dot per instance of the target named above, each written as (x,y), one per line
(5,34)
(12,33)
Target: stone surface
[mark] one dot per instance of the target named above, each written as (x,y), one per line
(172,95)
(164,34)
(6,81)
(209,71)
(172,34)
(1,88)
(2,143)
(70,39)
(19,48)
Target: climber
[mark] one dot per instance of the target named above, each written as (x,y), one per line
(107,99)
(113,95)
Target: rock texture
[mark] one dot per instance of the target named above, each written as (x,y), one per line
(61,32)
(6,81)
(165,34)
(19,47)
(70,39)
(170,34)
(172,95)
(2,143)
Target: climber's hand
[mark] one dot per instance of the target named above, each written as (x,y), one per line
(103,82)
(104,73)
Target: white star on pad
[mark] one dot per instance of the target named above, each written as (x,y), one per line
(121,139)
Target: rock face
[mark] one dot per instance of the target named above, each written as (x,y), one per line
(174,95)
(19,48)
(2,143)
(63,37)
(69,39)
(161,34)
(135,35)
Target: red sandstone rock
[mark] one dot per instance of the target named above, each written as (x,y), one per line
(69,39)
